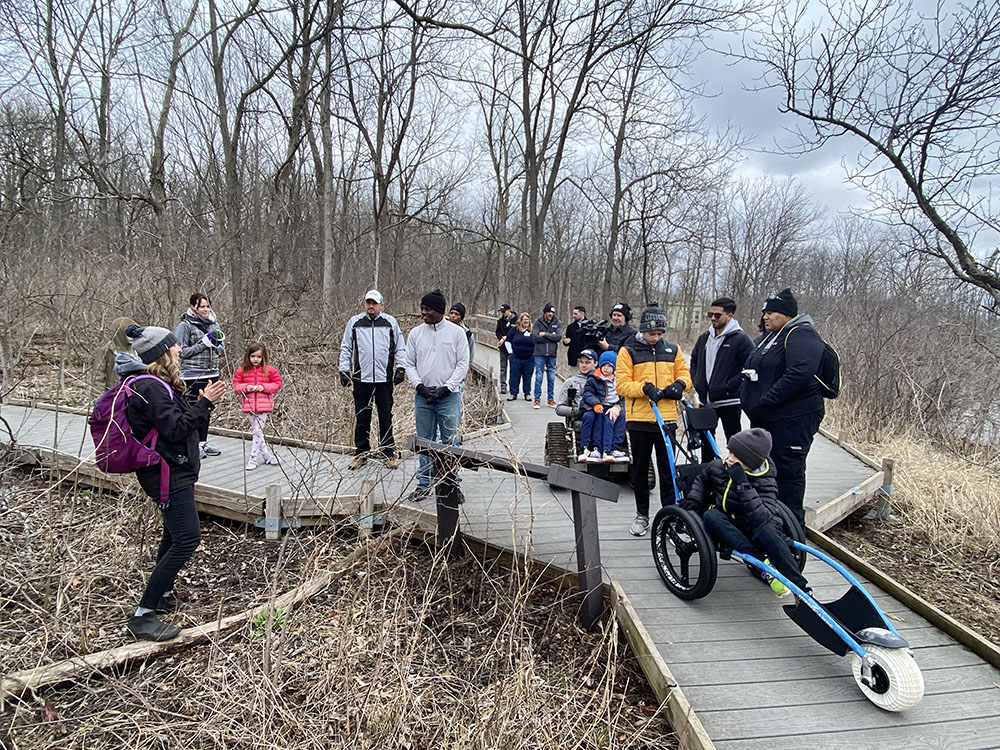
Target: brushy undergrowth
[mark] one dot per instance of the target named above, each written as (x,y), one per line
(407,651)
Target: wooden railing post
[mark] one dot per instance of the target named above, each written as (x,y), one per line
(272,512)
(588,558)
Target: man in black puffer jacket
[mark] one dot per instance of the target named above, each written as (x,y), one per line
(738,500)
(781,393)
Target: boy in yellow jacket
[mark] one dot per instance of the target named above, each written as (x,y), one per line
(650,369)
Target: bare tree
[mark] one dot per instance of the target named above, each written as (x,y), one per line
(922,94)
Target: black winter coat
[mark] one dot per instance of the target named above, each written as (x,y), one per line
(178,423)
(505,325)
(786,363)
(726,379)
(618,337)
(749,498)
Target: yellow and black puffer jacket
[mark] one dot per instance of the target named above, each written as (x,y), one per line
(638,364)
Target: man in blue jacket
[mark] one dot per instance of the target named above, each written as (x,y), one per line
(781,394)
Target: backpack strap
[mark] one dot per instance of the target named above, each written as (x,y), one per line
(166,385)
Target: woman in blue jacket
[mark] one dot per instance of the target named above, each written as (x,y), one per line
(522,357)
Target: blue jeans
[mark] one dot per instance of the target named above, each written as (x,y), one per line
(520,375)
(548,366)
(600,433)
(443,417)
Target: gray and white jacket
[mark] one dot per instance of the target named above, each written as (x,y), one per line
(372,348)
(199,360)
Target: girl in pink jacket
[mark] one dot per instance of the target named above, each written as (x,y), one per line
(257,382)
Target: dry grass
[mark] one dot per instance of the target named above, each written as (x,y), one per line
(406,652)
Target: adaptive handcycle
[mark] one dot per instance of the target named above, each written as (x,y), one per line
(686,559)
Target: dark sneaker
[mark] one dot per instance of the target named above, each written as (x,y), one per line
(210,450)
(503,389)
(148,627)
(418,495)
(512,397)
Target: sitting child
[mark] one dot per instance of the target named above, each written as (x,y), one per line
(603,429)
(738,501)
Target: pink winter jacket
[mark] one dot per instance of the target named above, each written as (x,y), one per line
(258,402)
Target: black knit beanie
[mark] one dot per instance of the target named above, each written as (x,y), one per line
(150,342)
(459,308)
(752,446)
(783,302)
(624,309)
(435,301)
(653,318)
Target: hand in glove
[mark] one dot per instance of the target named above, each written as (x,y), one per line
(690,505)
(207,341)
(215,336)
(675,391)
(651,391)
(442,391)
(736,471)
(399,376)
(345,379)
(424,391)
(598,408)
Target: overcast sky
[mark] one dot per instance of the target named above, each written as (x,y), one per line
(756,114)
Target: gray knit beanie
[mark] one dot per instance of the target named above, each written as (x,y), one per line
(752,446)
(150,342)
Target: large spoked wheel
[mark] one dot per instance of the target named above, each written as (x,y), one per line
(683,552)
(897,683)
(791,528)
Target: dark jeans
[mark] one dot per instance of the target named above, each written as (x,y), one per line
(642,443)
(764,541)
(520,374)
(791,440)
(729,417)
(381,394)
(181,537)
(191,395)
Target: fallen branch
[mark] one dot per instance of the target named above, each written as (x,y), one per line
(81,667)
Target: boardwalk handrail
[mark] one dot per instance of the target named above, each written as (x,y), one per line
(584,488)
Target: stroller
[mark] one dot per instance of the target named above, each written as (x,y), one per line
(686,559)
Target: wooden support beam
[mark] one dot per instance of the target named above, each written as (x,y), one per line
(588,558)
(272,512)
(366,512)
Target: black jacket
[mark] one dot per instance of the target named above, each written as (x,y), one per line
(503,326)
(749,498)
(786,363)
(618,337)
(726,379)
(178,423)
(575,347)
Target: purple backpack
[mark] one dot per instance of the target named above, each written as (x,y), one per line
(117,450)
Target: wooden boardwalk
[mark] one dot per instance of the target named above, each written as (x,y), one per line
(753,678)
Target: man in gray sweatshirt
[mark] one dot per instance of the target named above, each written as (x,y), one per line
(436,362)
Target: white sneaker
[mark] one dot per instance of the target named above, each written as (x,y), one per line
(619,456)
(583,456)
(608,458)
(639,526)
(594,457)
(251,465)
(271,460)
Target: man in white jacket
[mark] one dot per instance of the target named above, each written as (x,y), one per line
(436,362)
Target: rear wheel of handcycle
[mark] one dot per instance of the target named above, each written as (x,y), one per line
(683,552)
(897,683)
(558,444)
(791,528)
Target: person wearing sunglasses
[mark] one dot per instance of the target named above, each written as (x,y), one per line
(716,366)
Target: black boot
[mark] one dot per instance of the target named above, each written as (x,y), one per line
(148,627)
(168,603)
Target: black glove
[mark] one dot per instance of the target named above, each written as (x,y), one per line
(399,376)
(675,391)
(690,505)
(424,391)
(651,391)
(442,391)
(345,379)
(738,474)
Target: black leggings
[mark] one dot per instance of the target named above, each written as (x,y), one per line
(643,442)
(181,537)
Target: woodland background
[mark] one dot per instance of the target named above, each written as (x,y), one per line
(283,156)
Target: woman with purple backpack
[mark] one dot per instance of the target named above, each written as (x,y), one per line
(159,403)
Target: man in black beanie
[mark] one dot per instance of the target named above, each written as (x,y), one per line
(781,394)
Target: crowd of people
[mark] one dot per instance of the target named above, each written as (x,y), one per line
(622,372)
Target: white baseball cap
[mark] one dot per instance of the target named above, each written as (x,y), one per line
(373,294)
